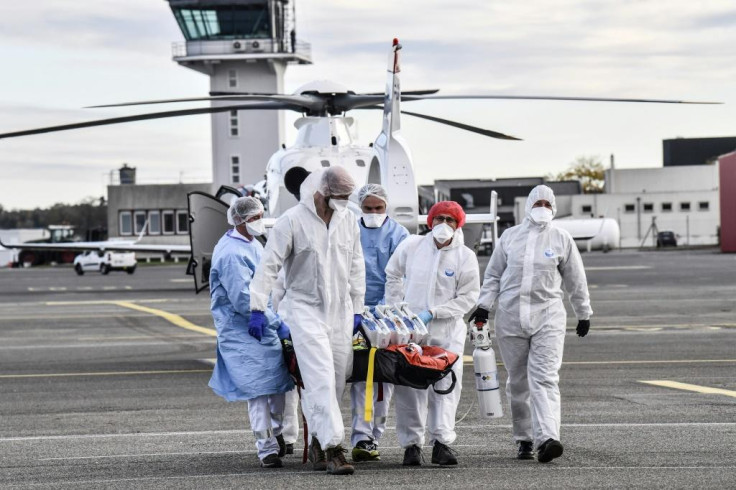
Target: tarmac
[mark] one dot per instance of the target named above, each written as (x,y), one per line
(103,384)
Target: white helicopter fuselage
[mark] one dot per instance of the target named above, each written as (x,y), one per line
(321,142)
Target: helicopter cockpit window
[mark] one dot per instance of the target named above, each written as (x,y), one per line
(225,22)
(325,163)
(360,163)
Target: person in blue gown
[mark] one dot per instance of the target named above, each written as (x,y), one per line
(250,365)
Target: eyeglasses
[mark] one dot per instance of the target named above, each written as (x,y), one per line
(444,219)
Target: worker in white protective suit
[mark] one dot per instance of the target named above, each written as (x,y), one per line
(380,235)
(318,245)
(250,365)
(437,275)
(527,272)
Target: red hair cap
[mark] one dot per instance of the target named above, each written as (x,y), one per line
(450,208)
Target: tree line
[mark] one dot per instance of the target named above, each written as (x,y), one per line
(88,217)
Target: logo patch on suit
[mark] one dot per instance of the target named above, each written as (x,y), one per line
(449,272)
(549,253)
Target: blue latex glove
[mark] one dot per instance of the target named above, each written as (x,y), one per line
(356,323)
(283,331)
(425,316)
(256,324)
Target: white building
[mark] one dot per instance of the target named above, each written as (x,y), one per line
(682,199)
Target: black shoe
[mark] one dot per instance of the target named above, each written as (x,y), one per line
(443,455)
(412,456)
(366,451)
(282,445)
(336,462)
(526,450)
(271,461)
(317,456)
(289,449)
(549,450)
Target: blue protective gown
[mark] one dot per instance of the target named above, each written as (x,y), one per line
(245,367)
(378,246)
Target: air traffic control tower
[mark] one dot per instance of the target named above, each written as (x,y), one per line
(244,46)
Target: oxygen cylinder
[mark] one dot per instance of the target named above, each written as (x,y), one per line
(486,373)
(486,382)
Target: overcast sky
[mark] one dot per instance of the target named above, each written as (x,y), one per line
(59,56)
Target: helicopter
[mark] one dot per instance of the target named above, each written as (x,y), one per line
(323,140)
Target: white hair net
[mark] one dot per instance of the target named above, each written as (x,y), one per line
(375,190)
(336,181)
(541,192)
(243,208)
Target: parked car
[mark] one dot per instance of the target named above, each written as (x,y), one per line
(666,239)
(92,261)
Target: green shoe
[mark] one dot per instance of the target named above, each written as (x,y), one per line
(365,451)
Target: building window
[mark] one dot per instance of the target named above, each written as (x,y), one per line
(234,131)
(154,222)
(629,208)
(235,169)
(232,78)
(648,207)
(587,209)
(182,222)
(666,207)
(126,223)
(703,205)
(140,221)
(685,206)
(168,219)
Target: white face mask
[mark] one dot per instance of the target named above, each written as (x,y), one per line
(338,205)
(541,215)
(373,220)
(442,232)
(256,228)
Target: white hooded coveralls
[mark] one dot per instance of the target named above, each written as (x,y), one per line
(445,281)
(324,279)
(526,273)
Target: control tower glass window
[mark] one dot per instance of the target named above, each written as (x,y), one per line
(225,22)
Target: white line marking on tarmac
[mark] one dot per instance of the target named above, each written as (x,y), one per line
(619,268)
(94,302)
(688,387)
(109,456)
(469,360)
(96,345)
(248,432)
(180,280)
(109,373)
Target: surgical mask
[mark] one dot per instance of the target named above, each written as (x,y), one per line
(256,228)
(541,215)
(338,205)
(442,232)
(373,220)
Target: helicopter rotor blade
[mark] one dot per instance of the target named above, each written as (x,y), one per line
(306,101)
(155,115)
(466,127)
(549,97)
(455,124)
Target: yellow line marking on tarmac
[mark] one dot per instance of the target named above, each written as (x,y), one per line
(169,317)
(106,373)
(688,387)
